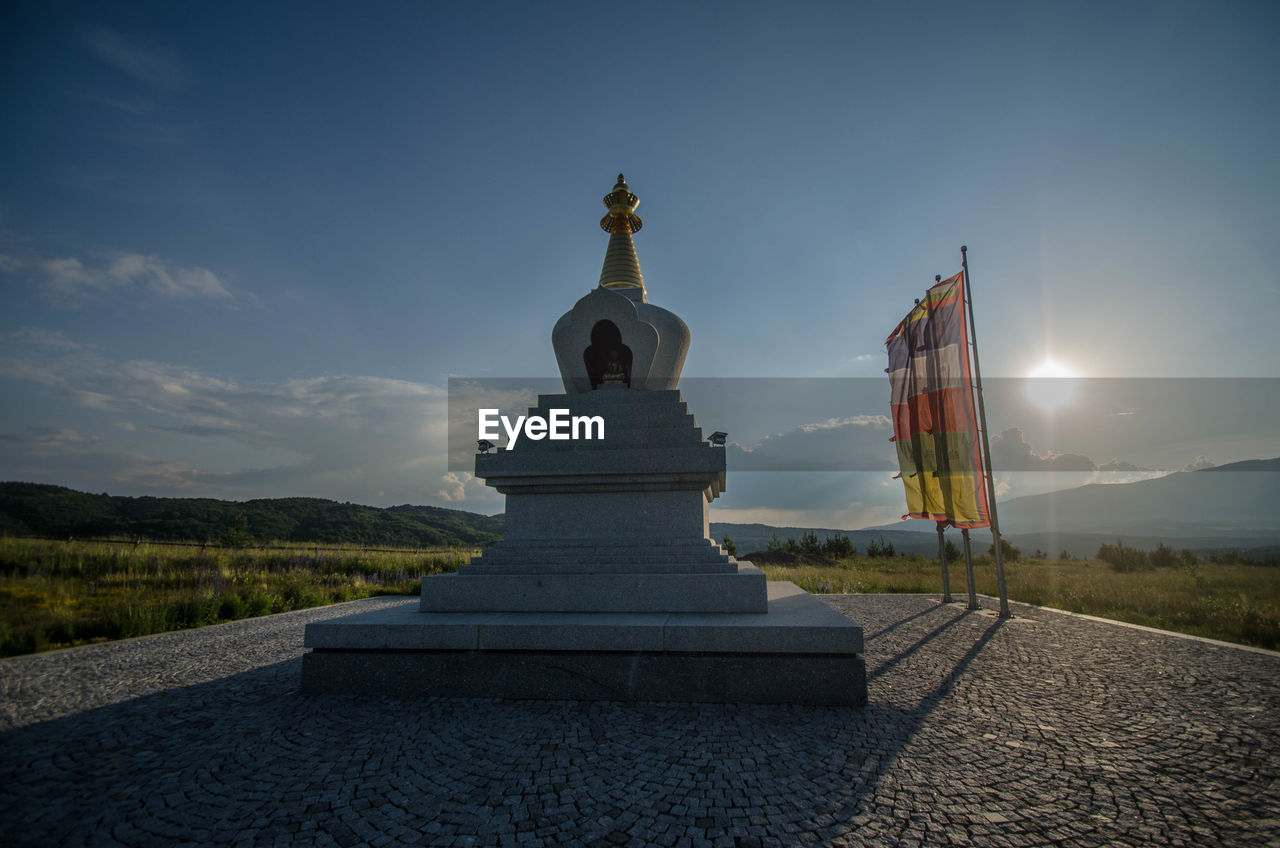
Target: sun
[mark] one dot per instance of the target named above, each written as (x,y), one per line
(1051,385)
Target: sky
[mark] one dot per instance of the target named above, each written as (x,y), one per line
(245,246)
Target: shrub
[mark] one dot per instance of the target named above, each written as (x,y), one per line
(232,607)
(237,536)
(880,549)
(1163,557)
(952,552)
(1007,551)
(1124,558)
(838,546)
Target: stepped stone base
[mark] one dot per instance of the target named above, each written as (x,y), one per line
(740,591)
(800,651)
(593,556)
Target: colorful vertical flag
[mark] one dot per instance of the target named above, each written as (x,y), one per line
(935,425)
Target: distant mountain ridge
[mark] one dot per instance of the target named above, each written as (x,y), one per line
(1232,505)
(35,509)
(1224,502)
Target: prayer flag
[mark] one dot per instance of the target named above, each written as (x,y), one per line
(935,425)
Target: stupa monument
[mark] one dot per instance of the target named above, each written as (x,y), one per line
(606,585)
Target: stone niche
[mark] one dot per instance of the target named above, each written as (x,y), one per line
(652,342)
(606,585)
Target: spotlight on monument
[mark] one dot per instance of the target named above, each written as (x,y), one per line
(717,438)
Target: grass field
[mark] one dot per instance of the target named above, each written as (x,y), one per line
(55,594)
(1233,602)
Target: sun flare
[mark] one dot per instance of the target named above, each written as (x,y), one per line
(1051,385)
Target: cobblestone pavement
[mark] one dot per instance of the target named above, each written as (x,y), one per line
(1044,729)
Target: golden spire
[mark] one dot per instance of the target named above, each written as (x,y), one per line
(621,271)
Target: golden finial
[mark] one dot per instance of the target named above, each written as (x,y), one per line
(622,205)
(621,271)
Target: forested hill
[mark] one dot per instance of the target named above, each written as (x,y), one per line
(33,509)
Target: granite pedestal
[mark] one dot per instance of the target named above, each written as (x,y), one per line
(799,651)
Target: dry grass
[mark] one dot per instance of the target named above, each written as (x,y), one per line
(1235,602)
(54,594)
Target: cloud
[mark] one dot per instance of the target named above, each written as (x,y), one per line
(837,499)
(139,471)
(853,517)
(155,66)
(854,443)
(459,486)
(88,463)
(160,277)
(70,282)
(40,337)
(45,441)
(1011,452)
(1199,463)
(348,437)
(1115,465)
(38,355)
(92,400)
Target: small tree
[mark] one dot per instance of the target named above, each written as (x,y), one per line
(729,547)
(838,546)
(774,545)
(1163,556)
(1007,551)
(1065,556)
(238,536)
(880,549)
(1124,558)
(953,553)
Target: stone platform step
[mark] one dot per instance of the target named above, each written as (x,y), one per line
(660,546)
(586,561)
(574,566)
(553,555)
(556,553)
(567,557)
(798,650)
(740,591)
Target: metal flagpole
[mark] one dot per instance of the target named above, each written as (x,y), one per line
(986,442)
(942,548)
(968,570)
(942,557)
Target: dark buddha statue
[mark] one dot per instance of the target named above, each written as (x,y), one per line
(607,359)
